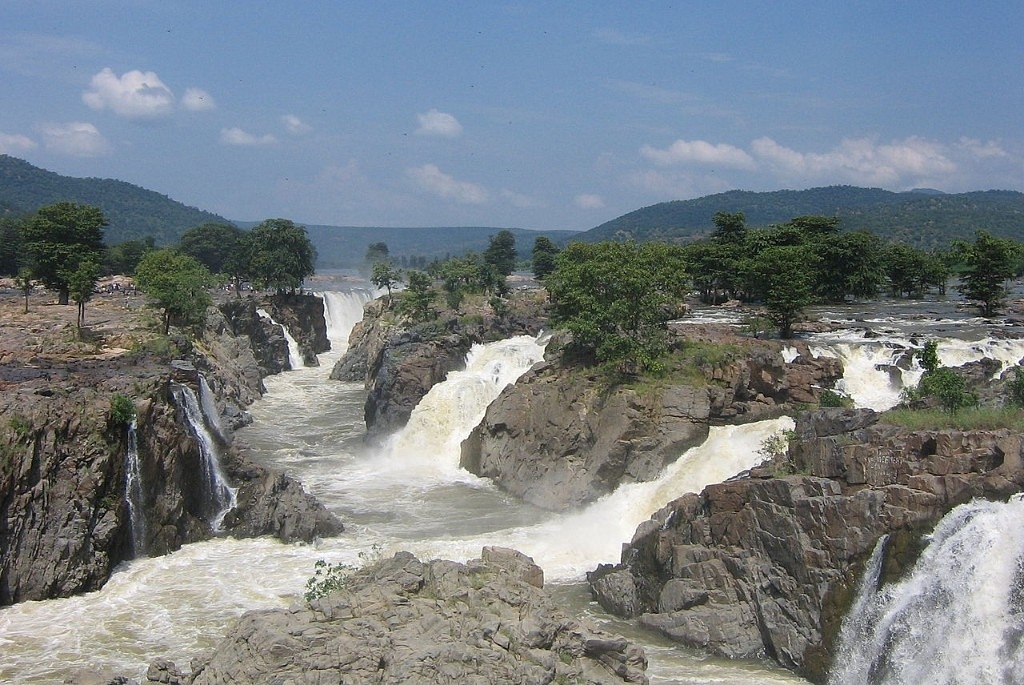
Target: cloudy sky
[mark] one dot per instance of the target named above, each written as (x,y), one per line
(547,115)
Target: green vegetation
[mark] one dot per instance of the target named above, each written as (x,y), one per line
(122,410)
(615,299)
(326,578)
(58,239)
(989,262)
(81,284)
(544,257)
(176,284)
(501,253)
(214,245)
(385,276)
(279,255)
(972,418)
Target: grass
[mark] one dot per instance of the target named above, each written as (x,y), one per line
(980,418)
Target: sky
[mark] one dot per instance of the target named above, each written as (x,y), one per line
(542,115)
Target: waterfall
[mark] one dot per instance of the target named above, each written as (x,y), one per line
(133,493)
(294,355)
(208,403)
(342,311)
(958,617)
(221,496)
(430,442)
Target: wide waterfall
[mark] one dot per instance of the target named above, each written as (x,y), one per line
(957,618)
(294,355)
(133,493)
(220,495)
(342,311)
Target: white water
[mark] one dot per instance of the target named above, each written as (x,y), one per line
(342,311)
(219,493)
(295,360)
(410,497)
(958,617)
(211,415)
(133,493)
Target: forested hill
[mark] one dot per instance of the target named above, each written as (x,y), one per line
(924,219)
(132,212)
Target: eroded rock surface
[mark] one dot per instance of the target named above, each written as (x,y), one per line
(413,622)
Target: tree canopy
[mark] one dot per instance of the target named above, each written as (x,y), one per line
(175,283)
(501,252)
(615,299)
(280,254)
(544,257)
(59,238)
(211,244)
(988,263)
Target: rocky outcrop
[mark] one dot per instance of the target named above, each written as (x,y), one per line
(399,362)
(303,315)
(239,324)
(560,438)
(766,565)
(408,621)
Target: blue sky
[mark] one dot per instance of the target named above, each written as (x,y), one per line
(545,115)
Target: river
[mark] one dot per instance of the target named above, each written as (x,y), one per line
(406,494)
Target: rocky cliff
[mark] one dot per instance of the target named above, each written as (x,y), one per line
(304,317)
(64,514)
(408,621)
(399,361)
(562,437)
(766,565)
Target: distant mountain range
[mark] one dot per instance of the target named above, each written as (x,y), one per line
(924,218)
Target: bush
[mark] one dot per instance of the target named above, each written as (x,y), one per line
(830,398)
(1016,388)
(122,410)
(326,578)
(948,387)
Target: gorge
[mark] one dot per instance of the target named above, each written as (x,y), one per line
(392,498)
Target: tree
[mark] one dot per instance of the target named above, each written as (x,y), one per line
(787,273)
(23,282)
(58,238)
(175,283)
(280,255)
(10,246)
(81,285)
(501,252)
(615,299)
(849,264)
(543,257)
(417,297)
(211,244)
(989,262)
(729,227)
(377,252)
(385,276)
(124,257)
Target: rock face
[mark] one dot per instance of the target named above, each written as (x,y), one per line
(304,317)
(399,363)
(767,566)
(64,515)
(407,621)
(560,439)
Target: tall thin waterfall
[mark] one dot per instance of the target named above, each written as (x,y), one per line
(208,403)
(342,311)
(133,493)
(221,496)
(957,618)
(294,355)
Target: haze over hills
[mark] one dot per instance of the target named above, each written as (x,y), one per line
(923,218)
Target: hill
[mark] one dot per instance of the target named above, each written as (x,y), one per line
(924,218)
(132,212)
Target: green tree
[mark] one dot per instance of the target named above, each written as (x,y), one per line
(377,252)
(175,283)
(11,260)
(124,257)
(615,299)
(417,298)
(23,282)
(948,387)
(787,272)
(501,252)
(849,264)
(729,227)
(543,257)
(211,244)
(81,285)
(988,263)
(385,276)
(58,238)
(280,255)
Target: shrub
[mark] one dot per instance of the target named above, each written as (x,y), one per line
(122,410)
(948,387)
(326,578)
(1016,388)
(830,398)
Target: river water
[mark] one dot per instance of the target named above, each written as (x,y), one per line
(406,494)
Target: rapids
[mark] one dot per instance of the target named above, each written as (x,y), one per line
(408,494)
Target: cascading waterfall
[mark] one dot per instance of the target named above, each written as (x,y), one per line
(957,618)
(133,493)
(295,360)
(342,311)
(219,493)
(208,403)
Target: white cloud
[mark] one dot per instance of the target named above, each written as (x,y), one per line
(136,94)
(983,150)
(441,124)
(295,125)
(198,100)
(76,139)
(430,178)
(238,137)
(589,201)
(860,161)
(15,143)
(520,201)
(700,152)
